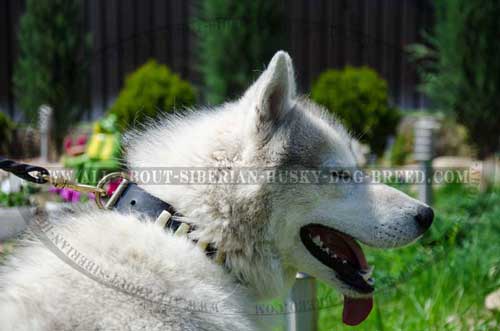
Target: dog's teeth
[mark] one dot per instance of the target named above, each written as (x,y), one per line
(366,273)
(317,241)
(366,276)
(370,281)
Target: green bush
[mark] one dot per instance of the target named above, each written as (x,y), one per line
(53,61)
(6,131)
(402,151)
(235,40)
(148,91)
(460,70)
(359,97)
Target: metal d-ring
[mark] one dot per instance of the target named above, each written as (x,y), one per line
(101,193)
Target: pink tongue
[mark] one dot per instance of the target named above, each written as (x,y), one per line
(356,310)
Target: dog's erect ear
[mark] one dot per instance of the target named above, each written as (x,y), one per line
(275,90)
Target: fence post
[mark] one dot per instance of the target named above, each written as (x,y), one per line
(303,315)
(423,153)
(45,124)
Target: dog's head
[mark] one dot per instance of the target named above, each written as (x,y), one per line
(317,220)
(272,230)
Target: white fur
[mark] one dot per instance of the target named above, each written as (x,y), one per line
(257,226)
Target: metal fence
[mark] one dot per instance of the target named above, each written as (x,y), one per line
(321,34)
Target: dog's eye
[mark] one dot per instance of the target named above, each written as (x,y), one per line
(341,174)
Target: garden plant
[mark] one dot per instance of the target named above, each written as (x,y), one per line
(359,98)
(53,62)
(149,91)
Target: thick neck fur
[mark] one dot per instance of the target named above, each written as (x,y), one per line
(233,217)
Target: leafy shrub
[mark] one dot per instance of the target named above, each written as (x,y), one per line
(236,38)
(453,139)
(6,132)
(359,97)
(402,150)
(151,89)
(460,70)
(53,61)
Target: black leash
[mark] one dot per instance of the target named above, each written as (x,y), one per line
(24,171)
(130,198)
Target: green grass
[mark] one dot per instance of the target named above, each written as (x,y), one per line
(440,282)
(14,199)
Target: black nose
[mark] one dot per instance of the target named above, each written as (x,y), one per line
(424,217)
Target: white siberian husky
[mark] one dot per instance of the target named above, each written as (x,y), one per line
(110,271)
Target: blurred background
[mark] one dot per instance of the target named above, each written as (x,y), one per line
(76,74)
